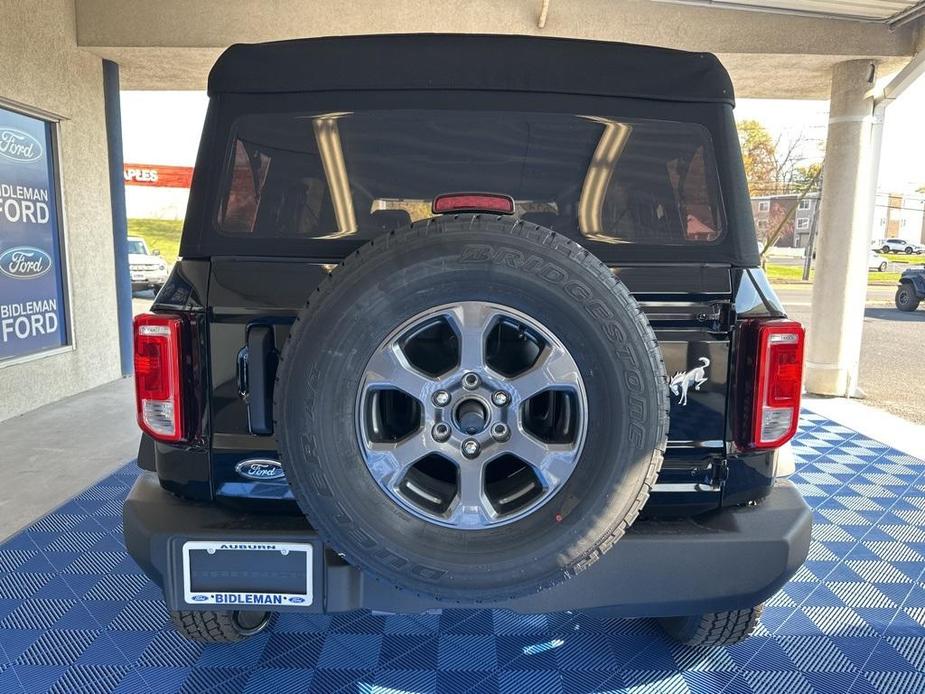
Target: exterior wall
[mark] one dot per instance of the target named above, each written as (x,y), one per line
(156,203)
(46,71)
(898,216)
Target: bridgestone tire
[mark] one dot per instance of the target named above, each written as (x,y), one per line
(471,258)
(220,627)
(713,628)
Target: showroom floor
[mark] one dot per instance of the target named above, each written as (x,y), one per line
(77,615)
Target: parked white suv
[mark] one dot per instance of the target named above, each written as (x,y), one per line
(900,246)
(148,270)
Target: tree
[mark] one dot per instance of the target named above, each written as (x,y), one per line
(773,166)
(808,177)
(759,157)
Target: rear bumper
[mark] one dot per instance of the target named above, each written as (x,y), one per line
(730,559)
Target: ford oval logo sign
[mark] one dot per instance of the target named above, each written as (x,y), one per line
(15,145)
(260,470)
(24,262)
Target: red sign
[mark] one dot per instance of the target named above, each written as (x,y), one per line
(157,175)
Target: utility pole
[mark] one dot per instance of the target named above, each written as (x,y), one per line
(811,241)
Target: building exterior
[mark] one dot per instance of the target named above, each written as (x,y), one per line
(770,211)
(59,332)
(156,191)
(898,216)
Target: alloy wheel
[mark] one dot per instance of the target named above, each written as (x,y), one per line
(471,415)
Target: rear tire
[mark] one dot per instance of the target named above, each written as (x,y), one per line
(906,299)
(713,628)
(881,267)
(220,627)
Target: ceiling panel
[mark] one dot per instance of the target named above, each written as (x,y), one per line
(869,10)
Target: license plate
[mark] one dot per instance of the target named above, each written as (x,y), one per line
(247,574)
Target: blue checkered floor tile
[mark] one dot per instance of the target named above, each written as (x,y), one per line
(76,615)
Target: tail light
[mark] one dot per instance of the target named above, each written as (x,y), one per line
(473,202)
(158,383)
(778,383)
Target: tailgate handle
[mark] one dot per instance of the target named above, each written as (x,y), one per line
(256,372)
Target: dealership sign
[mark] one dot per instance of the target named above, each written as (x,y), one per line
(31,274)
(157,175)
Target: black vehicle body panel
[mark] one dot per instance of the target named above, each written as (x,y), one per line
(660,568)
(692,307)
(915,278)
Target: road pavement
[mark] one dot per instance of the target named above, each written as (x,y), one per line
(892,373)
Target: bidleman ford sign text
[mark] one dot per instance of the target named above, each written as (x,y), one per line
(31,277)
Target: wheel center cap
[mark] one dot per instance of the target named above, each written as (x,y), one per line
(471,416)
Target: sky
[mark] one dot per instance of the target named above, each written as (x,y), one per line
(164,128)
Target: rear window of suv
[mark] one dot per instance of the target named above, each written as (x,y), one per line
(352,176)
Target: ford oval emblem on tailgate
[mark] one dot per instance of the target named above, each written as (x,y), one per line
(260,470)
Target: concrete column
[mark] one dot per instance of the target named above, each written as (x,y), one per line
(852,155)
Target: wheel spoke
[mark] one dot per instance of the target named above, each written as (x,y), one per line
(553,368)
(390,368)
(553,462)
(388,462)
(471,508)
(472,321)
(442,418)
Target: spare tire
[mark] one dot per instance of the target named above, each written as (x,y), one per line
(473,408)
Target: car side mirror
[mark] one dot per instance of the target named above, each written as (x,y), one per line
(155,252)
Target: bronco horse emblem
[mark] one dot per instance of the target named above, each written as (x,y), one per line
(681,381)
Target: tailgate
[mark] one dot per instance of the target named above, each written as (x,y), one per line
(689,307)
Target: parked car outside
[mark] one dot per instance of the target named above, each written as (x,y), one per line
(441,315)
(876,262)
(147,268)
(900,246)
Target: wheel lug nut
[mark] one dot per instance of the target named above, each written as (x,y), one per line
(500,432)
(471,448)
(441,398)
(440,432)
(500,398)
(471,381)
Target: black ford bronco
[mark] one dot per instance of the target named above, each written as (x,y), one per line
(467,320)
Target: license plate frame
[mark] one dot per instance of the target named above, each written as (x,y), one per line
(249,599)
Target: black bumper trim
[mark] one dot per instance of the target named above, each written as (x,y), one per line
(730,559)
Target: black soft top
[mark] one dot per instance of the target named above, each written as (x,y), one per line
(471,62)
